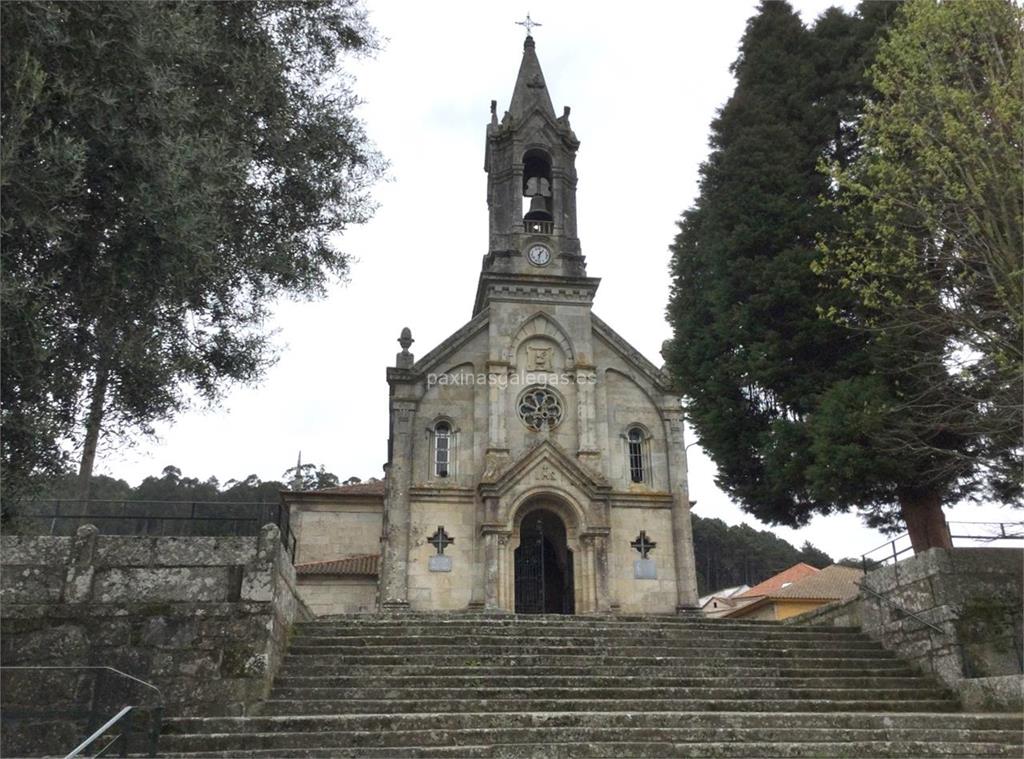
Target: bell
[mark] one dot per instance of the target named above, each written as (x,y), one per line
(539,209)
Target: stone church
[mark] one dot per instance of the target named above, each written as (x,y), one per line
(536,461)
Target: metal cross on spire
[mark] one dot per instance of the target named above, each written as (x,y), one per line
(529,24)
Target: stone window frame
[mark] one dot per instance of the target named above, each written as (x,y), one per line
(643,453)
(453,448)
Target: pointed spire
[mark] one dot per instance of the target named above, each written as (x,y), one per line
(531,90)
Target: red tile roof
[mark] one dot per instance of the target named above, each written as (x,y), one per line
(833,583)
(364,565)
(775,582)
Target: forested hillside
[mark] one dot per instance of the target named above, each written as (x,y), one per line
(726,555)
(729,555)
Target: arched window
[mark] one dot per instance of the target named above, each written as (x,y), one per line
(635,450)
(442,449)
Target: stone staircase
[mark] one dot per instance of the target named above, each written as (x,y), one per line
(554,686)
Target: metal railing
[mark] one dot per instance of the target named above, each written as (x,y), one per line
(902,611)
(168,518)
(984,532)
(123,718)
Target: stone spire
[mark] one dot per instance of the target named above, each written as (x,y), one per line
(531,90)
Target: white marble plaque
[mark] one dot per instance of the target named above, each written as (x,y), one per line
(645,569)
(440,564)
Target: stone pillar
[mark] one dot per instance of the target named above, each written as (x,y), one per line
(498,386)
(476,594)
(395,579)
(603,599)
(491,573)
(682,530)
(586,415)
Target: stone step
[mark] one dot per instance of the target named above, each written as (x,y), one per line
(560,624)
(863,740)
(644,694)
(625,680)
(537,704)
(750,748)
(309,668)
(425,723)
(582,620)
(294,663)
(490,642)
(575,631)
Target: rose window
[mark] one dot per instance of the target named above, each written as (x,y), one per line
(540,409)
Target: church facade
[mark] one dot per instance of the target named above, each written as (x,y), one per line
(536,460)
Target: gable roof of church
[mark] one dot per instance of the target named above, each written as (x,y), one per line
(452,343)
(629,353)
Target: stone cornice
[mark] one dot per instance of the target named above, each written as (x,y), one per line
(534,288)
(450,344)
(441,493)
(618,343)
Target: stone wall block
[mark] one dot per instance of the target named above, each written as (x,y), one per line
(124,551)
(198,664)
(34,550)
(163,584)
(61,644)
(31,584)
(205,551)
(164,632)
(81,565)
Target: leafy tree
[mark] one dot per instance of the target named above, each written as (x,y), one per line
(783,399)
(932,251)
(169,169)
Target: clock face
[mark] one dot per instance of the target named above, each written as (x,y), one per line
(539,255)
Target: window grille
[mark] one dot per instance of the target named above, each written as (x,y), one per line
(442,449)
(635,444)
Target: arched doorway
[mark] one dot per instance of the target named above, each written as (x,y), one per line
(543,566)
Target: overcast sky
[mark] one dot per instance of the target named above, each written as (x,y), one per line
(644,80)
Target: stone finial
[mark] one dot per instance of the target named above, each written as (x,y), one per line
(404,360)
(666,349)
(494,113)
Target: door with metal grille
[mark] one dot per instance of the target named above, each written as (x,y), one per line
(543,566)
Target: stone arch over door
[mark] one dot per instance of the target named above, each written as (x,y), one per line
(587,544)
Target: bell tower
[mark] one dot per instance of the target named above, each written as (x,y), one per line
(530,160)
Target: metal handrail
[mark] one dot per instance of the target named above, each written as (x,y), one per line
(109,724)
(1000,535)
(91,666)
(899,608)
(158,708)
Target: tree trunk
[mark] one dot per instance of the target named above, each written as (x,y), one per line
(92,431)
(925,521)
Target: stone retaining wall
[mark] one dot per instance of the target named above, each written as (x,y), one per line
(973,595)
(206,619)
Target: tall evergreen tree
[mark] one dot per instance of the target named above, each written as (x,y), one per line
(169,169)
(763,372)
(934,234)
